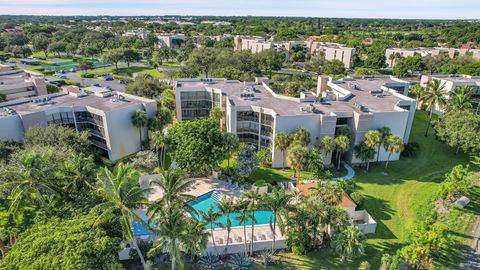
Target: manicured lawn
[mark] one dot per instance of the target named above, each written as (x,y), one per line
(130,70)
(396,201)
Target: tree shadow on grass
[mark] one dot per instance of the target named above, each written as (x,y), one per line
(380,210)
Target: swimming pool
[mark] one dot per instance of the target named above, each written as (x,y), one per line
(202,204)
(205,201)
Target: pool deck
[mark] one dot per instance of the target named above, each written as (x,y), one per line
(199,187)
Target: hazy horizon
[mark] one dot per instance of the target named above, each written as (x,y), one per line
(407,9)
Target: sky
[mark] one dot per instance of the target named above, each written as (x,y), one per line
(405,9)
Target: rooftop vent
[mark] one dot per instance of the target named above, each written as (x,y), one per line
(376,92)
(361,107)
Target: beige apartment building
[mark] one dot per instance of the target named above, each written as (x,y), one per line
(19,83)
(256,113)
(332,51)
(405,52)
(451,82)
(106,115)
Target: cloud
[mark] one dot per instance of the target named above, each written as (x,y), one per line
(441,9)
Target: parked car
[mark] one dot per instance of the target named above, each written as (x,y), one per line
(61,76)
(108,87)
(97,85)
(122,81)
(108,78)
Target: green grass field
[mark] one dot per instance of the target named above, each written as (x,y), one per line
(398,200)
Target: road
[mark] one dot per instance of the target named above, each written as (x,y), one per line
(115,84)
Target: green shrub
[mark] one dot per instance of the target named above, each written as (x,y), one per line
(357,197)
(260,183)
(264,157)
(71,82)
(87,75)
(410,149)
(49,72)
(52,88)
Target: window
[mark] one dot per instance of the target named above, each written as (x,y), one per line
(247,116)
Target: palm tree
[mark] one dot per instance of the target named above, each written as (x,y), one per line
(174,184)
(197,239)
(298,158)
(253,197)
(419,92)
(385,132)
(365,154)
(349,242)
(433,97)
(140,120)
(160,142)
(242,218)
(78,171)
(393,144)
(373,139)
(210,217)
(329,191)
(227,207)
(301,137)
(461,98)
(122,194)
(28,180)
(170,229)
(328,145)
(282,142)
(232,143)
(342,144)
(276,201)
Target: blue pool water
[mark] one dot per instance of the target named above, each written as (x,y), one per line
(202,204)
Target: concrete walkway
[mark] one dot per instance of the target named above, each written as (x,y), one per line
(472,257)
(349,175)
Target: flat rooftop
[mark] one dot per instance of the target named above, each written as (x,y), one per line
(283,105)
(61,100)
(457,78)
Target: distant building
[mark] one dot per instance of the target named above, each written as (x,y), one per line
(140,33)
(106,115)
(19,83)
(331,51)
(170,40)
(451,82)
(391,53)
(256,113)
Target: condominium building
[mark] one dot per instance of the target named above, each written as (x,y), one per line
(19,83)
(331,51)
(391,53)
(170,40)
(256,113)
(106,115)
(451,82)
(140,33)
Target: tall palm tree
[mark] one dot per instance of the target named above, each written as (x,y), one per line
(327,144)
(197,240)
(174,184)
(242,218)
(365,154)
(301,136)
(211,217)
(28,180)
(373,139)
(349,242)
(227,207)
(385,132)
(433,97)
(253,197)
(276,201)
(282,142)
(78,171)
(232,143)
(298,158)
(140,120)
(169,225)
(393,144)
(419,92)
(342,144)
(122,195)
(160,142)
(461,97)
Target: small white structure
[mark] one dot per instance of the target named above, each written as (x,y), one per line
(462,202)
